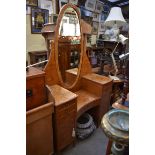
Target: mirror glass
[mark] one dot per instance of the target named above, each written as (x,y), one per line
(69,47)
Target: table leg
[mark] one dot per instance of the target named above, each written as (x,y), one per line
(108,150)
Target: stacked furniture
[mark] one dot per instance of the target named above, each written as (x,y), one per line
(39,128)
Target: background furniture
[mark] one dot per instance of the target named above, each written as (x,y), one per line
(48,33)
(35,88)
(39,130)
(110,45)
(38,56)
(117,90)
(100,57)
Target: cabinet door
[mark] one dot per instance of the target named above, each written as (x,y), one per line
(65,122)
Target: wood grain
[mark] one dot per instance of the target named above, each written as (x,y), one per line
(35,83)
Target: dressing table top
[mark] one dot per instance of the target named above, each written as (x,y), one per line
(61,95)
(34,72)
(97,78)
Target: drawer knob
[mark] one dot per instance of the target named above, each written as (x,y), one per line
(29,93)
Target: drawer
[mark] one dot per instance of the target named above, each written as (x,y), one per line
(69,105)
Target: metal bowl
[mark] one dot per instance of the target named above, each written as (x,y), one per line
(119,119)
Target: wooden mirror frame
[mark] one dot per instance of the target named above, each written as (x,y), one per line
(56,40)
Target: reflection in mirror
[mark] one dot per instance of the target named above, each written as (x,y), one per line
(69,47)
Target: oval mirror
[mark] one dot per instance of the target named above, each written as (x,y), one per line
(68,45)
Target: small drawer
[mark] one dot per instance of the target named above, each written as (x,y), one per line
(69,105)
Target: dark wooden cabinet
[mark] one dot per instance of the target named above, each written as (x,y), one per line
(39,130)
(100,57)
(38,56)
(35,88)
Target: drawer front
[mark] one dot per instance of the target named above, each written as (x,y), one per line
(69,105)
(35,92)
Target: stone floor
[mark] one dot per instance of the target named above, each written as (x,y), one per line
(93,145)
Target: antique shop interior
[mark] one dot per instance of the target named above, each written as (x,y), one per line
(77,77)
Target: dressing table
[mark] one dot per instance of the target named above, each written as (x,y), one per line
(74,91)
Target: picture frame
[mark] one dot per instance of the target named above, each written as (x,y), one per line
(95,27)
(75,2)
(39,17)
(32,2)
(95,17)
(99,6)
(62,2)
(46,4)
(90,5)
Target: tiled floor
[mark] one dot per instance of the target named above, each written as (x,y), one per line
(93,145)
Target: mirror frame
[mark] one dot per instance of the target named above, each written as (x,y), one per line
(62,11)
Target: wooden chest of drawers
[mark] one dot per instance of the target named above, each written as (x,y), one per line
(64,116)
(35,88)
